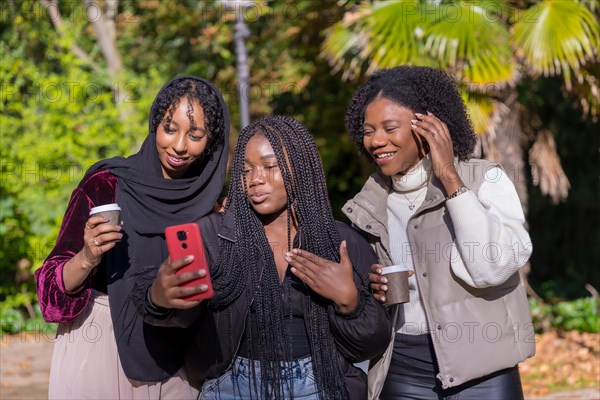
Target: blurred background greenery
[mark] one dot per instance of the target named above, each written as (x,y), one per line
(78,78)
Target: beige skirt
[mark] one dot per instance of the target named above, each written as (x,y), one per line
(86,365)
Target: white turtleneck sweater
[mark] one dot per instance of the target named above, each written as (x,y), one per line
(407,195)
(494,212)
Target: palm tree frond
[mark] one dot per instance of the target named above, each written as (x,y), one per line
(343,48)
(546,168)
(394,32)
(472,43)
(557,37)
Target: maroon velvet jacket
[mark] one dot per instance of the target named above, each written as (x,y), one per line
(56,303)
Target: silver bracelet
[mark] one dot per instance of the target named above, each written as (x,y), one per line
(462,189)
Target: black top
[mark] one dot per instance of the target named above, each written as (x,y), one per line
(294,291)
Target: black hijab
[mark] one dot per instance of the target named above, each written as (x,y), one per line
(149,203)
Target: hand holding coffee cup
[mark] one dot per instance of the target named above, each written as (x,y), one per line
(390,284)
(102,231)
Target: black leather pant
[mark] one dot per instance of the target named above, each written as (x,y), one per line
(413,369)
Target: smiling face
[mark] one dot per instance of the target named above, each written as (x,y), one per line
(389,139)
(264,182)
(181,141)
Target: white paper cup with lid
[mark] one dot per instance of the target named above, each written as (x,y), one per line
(112,212)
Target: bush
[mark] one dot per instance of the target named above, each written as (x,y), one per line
(581,315)
(12,321)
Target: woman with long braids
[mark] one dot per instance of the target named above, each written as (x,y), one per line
(103,349)
(276,328)
(455,221)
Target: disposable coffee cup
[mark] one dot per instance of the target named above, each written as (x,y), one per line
(397,283)
(112,212)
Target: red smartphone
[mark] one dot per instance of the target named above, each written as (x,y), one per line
(184,240)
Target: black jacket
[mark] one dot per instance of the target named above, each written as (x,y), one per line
(359,335)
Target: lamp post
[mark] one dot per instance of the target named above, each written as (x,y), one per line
(241,54)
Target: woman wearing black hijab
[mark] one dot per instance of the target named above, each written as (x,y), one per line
(103,348)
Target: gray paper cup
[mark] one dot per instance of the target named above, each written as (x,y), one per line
(397,276)
(110,211)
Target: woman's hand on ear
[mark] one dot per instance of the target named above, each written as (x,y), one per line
(437,135)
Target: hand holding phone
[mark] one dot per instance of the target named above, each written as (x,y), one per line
(185,240)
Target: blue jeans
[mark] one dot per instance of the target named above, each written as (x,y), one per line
(298,382)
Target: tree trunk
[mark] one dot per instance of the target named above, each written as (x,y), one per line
(508,143)
(103,23)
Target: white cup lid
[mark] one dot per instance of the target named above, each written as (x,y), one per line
(394,268)
(105,207)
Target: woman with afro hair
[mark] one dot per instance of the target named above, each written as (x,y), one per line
(103,349)
(292,310)
(457,224)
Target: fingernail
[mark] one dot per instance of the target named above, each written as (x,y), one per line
(383,280)
(189,258)
(379,271)
(414,121)
(418,114)
(204,288)
(295,251)
(119,227)
(384,288)
(120,235)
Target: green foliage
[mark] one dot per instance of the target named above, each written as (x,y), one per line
(17,300)
(58,124)
(541,315)
(12,321)
(581,315)
(58,117)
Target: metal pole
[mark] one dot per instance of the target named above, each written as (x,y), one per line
(241,54)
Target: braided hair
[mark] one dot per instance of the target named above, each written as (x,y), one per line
(195,91)
(236,267)
(419,89)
